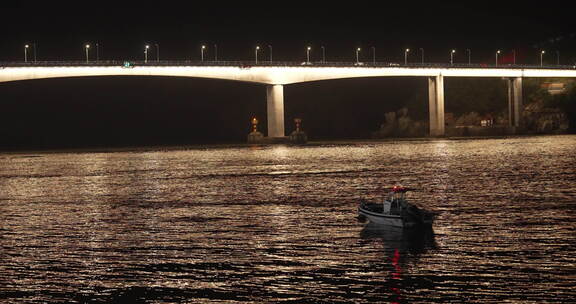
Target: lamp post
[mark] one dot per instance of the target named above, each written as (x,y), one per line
(374,55)
(422,53)
(323,54)
(308,54)
(497,53)
(452,57)
(542,57)
(34,46)
(157,52)
(202,48)
(406,51)
(357,57)
(146,47)
(270,48)
(257,49)
(469,56)
(87,47)
(26,53)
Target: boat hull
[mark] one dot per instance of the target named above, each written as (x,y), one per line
(373,212)
(381,219)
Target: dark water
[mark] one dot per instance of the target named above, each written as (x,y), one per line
(278,224)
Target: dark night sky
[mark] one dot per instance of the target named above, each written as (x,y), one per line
(161,110)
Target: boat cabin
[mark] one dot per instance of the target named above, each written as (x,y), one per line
(392,203)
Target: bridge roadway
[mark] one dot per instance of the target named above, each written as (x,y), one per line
(277,74)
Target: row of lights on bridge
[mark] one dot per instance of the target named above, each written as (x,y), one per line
(308,49)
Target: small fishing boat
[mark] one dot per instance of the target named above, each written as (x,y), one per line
(395,211)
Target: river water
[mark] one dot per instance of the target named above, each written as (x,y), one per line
(278,224)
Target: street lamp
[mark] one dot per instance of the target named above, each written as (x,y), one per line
(26,53)
(422,53)
(146,53)
(452,56)
(497,53)
(87,47)
(323,54)
(357,58)
(469,56)
(542,57)
(374,55)
(406,51)
(308,54)
(202,48)
(257,49)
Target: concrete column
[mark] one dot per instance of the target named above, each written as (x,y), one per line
(275,106)
(436,105)
(515,107)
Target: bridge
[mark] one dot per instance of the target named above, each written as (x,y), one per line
(275,75)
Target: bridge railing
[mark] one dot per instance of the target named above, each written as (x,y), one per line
(249,64)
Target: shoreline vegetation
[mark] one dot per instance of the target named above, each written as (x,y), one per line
(549,108)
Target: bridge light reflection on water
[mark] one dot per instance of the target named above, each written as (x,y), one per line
(208,224)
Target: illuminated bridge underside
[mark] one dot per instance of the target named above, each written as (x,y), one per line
(272,75)
(275,77)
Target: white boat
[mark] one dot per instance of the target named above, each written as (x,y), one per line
(395,211)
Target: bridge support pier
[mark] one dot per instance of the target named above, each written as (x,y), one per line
(515,107)
(436,105)
(275,109)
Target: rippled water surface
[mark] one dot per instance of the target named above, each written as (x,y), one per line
(278,224)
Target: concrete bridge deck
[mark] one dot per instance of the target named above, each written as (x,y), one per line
(274,73)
